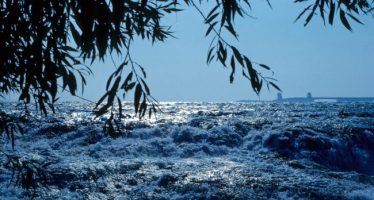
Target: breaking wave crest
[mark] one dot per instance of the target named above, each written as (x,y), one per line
(206,151)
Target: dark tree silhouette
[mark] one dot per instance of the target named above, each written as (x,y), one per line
(46,46)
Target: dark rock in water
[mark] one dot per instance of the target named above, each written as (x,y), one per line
(129,168)
(93,137)
(344,114)
(365,139)
(129,126)
(189,152)
(188,135)
(227,151)
(296,165)
(76,186)
(61,179)
(353,153)
(166,179)
(284,145)
(185,135)
(259,124)
(206,149)
(214,113)
(224,136)
(242,128)
(203,123)
(56,129)
(345,152)
(313,143)
(132,182)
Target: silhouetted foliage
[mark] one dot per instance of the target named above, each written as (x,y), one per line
(350,8)
(27,174)
(10,125)
(46,45)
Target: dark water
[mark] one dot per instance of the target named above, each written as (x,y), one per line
(204,151)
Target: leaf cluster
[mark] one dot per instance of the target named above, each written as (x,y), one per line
(35,51)
(101,26)
(38,57)
(10,125)
(27,174)
(46,45)
(327,9)
(222,17)
(135,80)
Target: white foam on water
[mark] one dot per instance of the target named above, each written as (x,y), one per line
(203,150)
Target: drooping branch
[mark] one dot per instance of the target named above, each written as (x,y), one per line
(221,47)
(327,9)
(46,44)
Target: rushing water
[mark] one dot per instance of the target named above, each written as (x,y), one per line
(203,151)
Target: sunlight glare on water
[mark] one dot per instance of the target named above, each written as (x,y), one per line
(205,150)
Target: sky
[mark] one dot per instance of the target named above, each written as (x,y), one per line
(326,61)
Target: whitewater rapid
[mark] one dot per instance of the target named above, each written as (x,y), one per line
(202,151)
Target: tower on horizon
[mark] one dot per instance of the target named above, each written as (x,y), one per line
(279,97)
(309,96)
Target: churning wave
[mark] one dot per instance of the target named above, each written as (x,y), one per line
(203,151)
